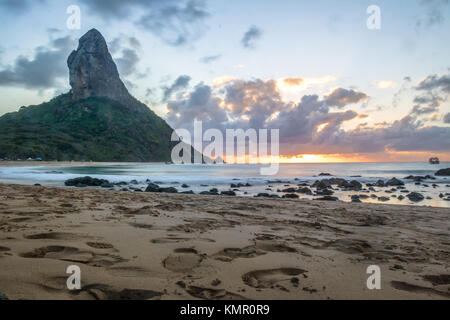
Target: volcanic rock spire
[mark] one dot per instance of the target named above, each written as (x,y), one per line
(93,72)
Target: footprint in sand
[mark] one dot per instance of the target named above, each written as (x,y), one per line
(400,285)
(436,280)
(186,250)
(100,245)
(170,206)
(260,248)
(273,246)
(351,246)
(182,262)
(228,254)
(212,294)
(268,278)
(175,239)
(105,292)
(169,240)
(129,271)
(141,225)
(54,236)
(147,211)
(74,255)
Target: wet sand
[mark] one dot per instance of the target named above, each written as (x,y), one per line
(133,245)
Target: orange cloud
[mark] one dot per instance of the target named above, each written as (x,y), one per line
(292,82)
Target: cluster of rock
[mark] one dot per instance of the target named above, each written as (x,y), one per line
(322,189)
(87,181)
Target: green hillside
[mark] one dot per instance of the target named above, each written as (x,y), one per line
(97,129)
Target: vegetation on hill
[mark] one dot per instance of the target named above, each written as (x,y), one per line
(97,129)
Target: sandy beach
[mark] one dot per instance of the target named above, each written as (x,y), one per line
(171,246)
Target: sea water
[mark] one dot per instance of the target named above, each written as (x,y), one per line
(204,177)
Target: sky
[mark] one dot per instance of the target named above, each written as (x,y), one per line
(336,89)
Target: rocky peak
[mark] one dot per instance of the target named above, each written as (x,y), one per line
(93,72)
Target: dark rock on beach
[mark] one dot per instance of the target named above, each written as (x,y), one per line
(380,183)
(290,196)
(327,198)
(86,181)
(266,195)
(443,172)
(168,190)
(324,192)
(228,193)
(152,188)
(415,197)
(305,190)
(394,182)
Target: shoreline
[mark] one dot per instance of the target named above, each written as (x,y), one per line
(423,190)
(176,246)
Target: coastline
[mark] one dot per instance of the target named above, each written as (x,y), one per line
(176,246)
(391,183)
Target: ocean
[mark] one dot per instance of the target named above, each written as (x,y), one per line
(204,177)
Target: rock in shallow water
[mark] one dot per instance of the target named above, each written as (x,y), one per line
(415,197)
(327,198)
(443,172)
(86,181)
(394,182)
(228,193)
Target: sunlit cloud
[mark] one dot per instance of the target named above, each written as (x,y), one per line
(387,84)
(222,80)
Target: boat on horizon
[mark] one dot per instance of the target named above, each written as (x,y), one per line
(434,160)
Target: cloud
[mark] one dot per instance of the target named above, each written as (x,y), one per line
(433,10)
(173,21)
(222,80)
(127,62)
(176,24)
(385,84)
(18,6)
(435,82)
(134,42)
(250,37)
(341,97)
(398,95)
(125,53)
(292,82)
(182,82)
(437,90)
(200,105)
(209,59)
(447,118)
(46,70)
(432,103)
(308,126)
